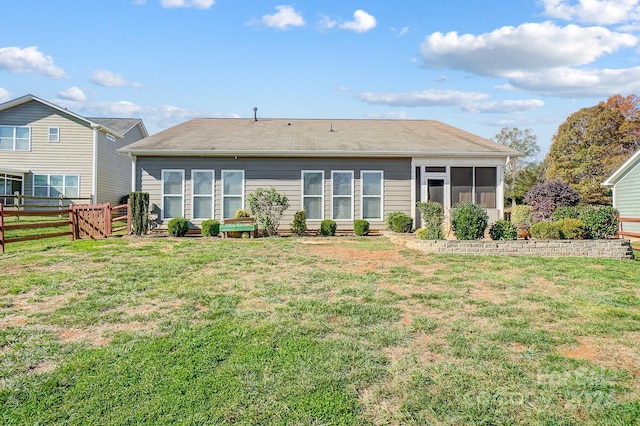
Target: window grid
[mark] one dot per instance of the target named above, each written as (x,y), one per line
(203,191)
(372,193)
(313,199)
(54,134)
(14,138)
(172,193)
(55,185)
(342,194)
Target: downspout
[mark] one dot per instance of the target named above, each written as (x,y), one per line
(133,171)
(94,174)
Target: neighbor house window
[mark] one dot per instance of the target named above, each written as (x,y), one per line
(342,195)
(202,182)
(474,184)
(371,183)
(15,138)
(9,185)
(67,186)
(485,182)
(172,194)
(232,192)
(313,194)
(54,134)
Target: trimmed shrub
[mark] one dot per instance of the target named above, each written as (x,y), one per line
(572,229)
(139,205)
(178,227)
(210,228)
(399,222)
(522,215)
(564,212)
(599,221)
(546,231)
(360,227)
(242,213)
(503,230)
(299,224)
(469,221)
(546,197)
(432,215)
(427,233)
(268,205)
(328,227)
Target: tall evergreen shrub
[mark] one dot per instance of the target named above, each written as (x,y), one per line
(139,205)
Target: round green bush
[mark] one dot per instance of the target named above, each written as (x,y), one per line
(328,227)
(432,213)
(429,233)
(599,221)
(241,213)
(360,227)
(522,214)
(469,221)
(546,231)
(503,230)
(299,224)
(572,229)
(178,227)
(565,212)
(210,228)
(399,222)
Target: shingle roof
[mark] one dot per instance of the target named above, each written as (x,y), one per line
(223,136)
(120,125)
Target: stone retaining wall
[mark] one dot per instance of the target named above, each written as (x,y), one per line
(605,249)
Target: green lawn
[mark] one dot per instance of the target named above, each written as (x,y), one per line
(312,331)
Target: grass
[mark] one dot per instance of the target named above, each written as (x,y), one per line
(312,331)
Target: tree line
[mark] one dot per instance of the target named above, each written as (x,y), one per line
(587,148)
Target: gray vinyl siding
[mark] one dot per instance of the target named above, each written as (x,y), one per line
(627,197)
(114,170)
(285,175)
(72,155)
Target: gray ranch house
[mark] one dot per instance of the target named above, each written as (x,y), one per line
(46,150)
(334,169)
(625,186)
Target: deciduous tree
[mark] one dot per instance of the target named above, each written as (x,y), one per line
(592,143)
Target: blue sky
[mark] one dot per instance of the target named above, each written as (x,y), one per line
(478,65)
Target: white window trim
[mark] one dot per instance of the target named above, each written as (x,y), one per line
(162,173)
(333,196)
(64,183)
(222,173)
(381,196)
(194,195)
(56,134)
(303,196)
(15,139)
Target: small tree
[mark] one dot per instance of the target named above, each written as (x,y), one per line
(299,224)
(139,205)
(546,197)
(432,215)
(267,206)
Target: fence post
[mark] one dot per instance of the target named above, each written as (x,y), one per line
(73,218)
(108,225)
(129,216)
(1,228)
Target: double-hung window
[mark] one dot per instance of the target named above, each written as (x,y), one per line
(371,185)
(342,195)
(54,134)
(67,186)
(202,184)
(14,138)
(232,192)
(313,194)
(172,194)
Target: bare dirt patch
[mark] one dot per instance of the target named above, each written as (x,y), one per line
(606,353)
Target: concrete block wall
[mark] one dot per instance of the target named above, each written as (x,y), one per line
(604,249)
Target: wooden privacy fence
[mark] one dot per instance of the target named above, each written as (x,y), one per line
(92,221)
(621,233)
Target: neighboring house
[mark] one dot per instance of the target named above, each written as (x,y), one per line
(334,169)
(625,186)
(46,150)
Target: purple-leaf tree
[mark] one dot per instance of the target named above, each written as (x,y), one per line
(548,196)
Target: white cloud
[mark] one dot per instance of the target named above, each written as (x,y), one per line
(362,22)
(106,78)
(285,17)
(502,107)
(425,98)
(530,47)
(139,2)
(601,12)
(196,4)
(507,87)
(29,59)
(568,82)
(72,94)
(325,23)
(4,95)
(393,115)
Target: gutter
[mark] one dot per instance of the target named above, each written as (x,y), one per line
(382,154)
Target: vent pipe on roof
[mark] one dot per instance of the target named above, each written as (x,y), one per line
(255,114)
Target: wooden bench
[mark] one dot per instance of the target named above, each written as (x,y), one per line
(240,224)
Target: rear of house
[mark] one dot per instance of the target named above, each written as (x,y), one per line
(334,169)
(625,186)
(48,151)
